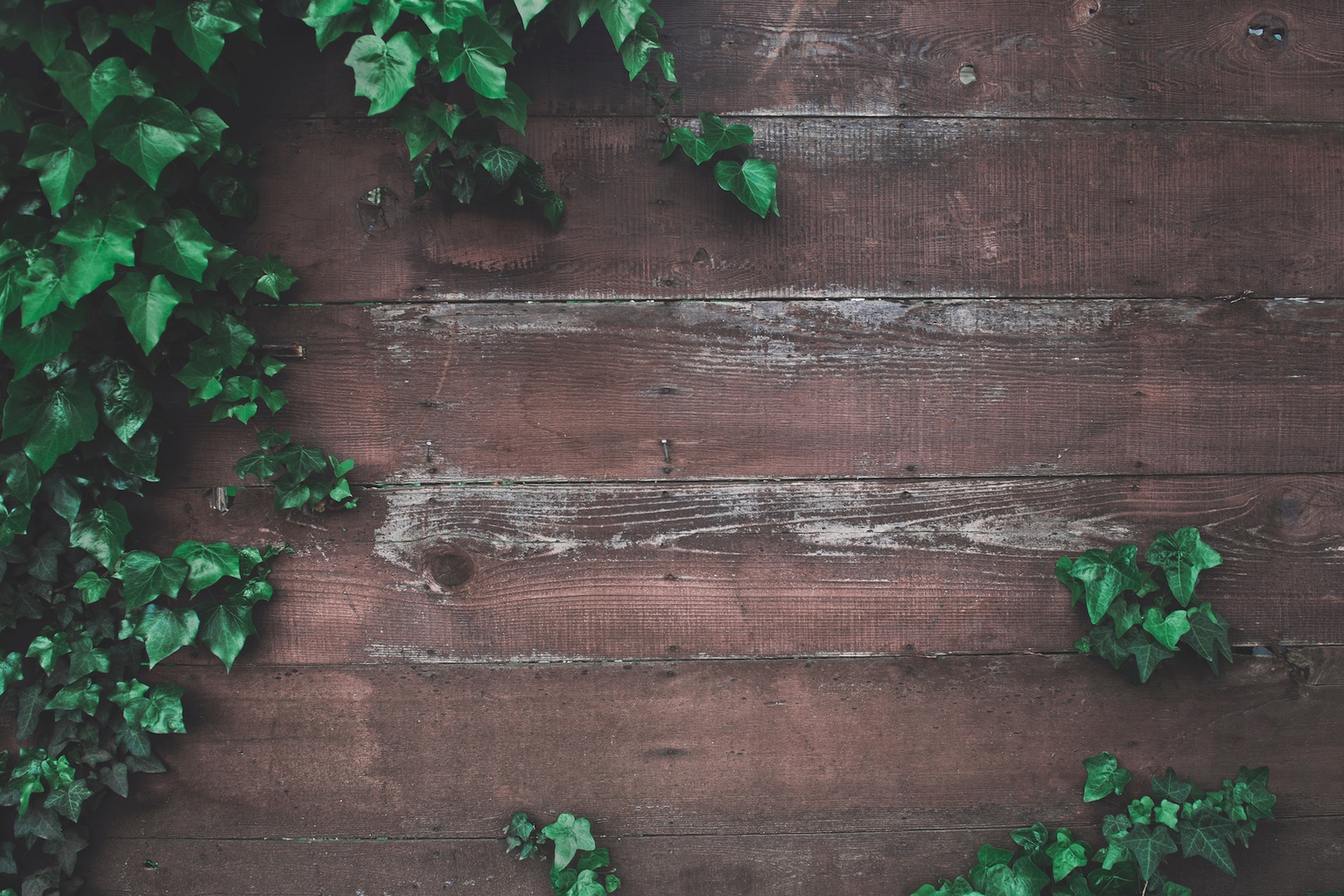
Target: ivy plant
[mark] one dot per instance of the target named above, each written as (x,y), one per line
(1147,614)
(443,73)
(752,181)
(1174,818)
(578,866)
(120,303)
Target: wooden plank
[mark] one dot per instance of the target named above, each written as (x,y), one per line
(806,389)
(1086,59)
(481,573)
(1287,856)
(884,208)
(706,747)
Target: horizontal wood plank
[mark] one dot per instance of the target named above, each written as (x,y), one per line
(483,573)
(805,389)
(882,208)
(1084,58)
(763,746)
(1287,857)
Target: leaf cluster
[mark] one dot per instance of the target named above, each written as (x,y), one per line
(751,181)
(118,297)
(578,866)
(444,71)
(1137,614)
(304,478)
(1174,818)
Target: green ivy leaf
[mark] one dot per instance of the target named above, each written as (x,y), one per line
(227,628)
(1206,835)
(97,245)
(146,134)
(67,798)
(1105,777)
(715,137)
(569,834)
(179,245)
(1149,846)
(198,29)
(125,403)
(91,90)
(80,696)
(146,305)
(1182,555)
(480,53)
(622,17)
(102,532)
(512,109)
(54,416)
(208,563)
(529,9)
(752,182)
(1147,653)
(93,28)
(1167,628)
(441,15)
(165,631)
(157,710)
(61,158)
(145,576)
(384,70)
(1097,578)
(1172,787)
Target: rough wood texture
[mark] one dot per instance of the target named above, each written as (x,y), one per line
(808,389)
(865,864)
(872,207)
(760,746)
(1048,58)
(465,574)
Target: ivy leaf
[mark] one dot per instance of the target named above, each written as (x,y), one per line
(512,109)
(480,53)
(1206,835)
(227,628)
(98,244)
(145,134)
(384,70)
(81,697)
(157,710)
(501,162)
(1149,846)
(93,28)
(621,17)
(67,798)
(528,9)
(1166,629)
(1172,787)
(1182,555)
(207,563)
(145,576)
(54,416)
(179,245)
(752,182)
(166,631)
(1251,790)
(102,532)
(86,659)
(90,90)
(1105,777)
(440,15)
(1147,653)
(198,29)
(274,277)
(61,158)
(715,137)
(125,402)
(146,305)
(569,834)
(1097,578)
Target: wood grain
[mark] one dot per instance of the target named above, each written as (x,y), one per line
(866,864)
(1082,58)
(872,207)
(483,573)
(762,747)
(426,393)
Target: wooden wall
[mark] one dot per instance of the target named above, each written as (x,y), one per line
(816,646)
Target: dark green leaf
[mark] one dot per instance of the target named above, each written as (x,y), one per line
(146,305)
(480,53)
(165,631)
(1182,555)
(102,532)
(384,70)
(752,182)
(61,159)
(145,134)
(145,576)
(1105,777)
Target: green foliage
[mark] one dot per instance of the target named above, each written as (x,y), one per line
(444,70)
(1176,819)
(1133,617)
(304,478)
(115,173)
(579,867)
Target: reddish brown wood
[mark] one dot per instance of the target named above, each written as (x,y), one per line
(806,389)
(472,573)
(1077,58)
(760,746)
(886,208)
(867,864)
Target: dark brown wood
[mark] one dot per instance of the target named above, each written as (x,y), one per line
(872,207)
(806,389)
(756,746)
(864,864)
(1075,58)
(475,573)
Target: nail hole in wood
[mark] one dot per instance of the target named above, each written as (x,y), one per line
(1268,31)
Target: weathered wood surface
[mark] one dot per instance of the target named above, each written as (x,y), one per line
(1041,58)
(477,573)
(756,746)
(426,393)
(861,864)
(872,207)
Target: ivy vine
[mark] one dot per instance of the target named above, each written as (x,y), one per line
(578,866)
